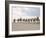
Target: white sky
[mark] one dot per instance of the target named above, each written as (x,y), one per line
(25,11)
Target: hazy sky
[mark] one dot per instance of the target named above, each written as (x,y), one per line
(25,11)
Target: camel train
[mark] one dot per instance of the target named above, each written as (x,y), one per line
(31,20)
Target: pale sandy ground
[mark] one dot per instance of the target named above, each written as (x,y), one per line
(25,26)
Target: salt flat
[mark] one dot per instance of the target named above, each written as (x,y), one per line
(25,26)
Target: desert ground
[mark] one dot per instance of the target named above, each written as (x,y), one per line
(25,26)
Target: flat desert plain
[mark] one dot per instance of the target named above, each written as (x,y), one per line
(25,26)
